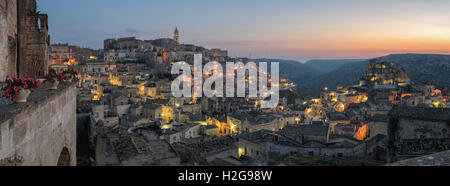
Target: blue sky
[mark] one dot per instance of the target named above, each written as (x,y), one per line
(299,29)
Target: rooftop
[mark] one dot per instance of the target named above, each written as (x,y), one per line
(337,116)
(305,130)
(421,113)
(438,159)
(262,136)
(380,118)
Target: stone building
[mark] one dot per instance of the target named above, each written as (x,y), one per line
(378,124)
(419,130)
(24,39)
(206,152)
(384,73)
(334,118)
(115,148)
(421,122)
(176,36)
(303,133)
(61,54)
(71,55)
(8,38)
(262,142)
(43,130)
(127,43)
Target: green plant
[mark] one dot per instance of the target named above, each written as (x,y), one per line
(35,13)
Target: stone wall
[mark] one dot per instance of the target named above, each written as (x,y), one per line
(8,38)
(378,127)
(24,39)
(251,149)
(33,40)
(41,132)
(421,129)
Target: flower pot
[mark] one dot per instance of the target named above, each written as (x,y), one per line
(54,86)
(23,95)
(69,79)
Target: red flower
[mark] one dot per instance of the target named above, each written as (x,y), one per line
(16,89)
(14,98)
(25,86)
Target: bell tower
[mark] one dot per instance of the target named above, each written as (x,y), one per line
(176,36)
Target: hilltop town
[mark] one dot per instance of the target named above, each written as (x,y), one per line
(125,97)
(119,111)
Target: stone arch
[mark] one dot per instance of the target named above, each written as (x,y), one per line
(64,158)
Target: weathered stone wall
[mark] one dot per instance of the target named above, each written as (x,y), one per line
(24,39)
(418,129)
(33,40)
(250,149)
(8,38)
(378,127)
(35,133)
(3,45)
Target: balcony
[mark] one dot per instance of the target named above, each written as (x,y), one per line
(41,132)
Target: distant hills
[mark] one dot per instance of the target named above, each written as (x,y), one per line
(314,75)
(326,66)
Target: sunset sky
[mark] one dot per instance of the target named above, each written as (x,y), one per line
(292,29)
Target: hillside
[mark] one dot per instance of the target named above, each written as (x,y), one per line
(292,69)
(313,76)
(325,66)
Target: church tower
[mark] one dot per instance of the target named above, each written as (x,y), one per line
(176,36)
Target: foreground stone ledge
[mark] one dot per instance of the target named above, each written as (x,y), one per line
(41,131)
(10,109)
